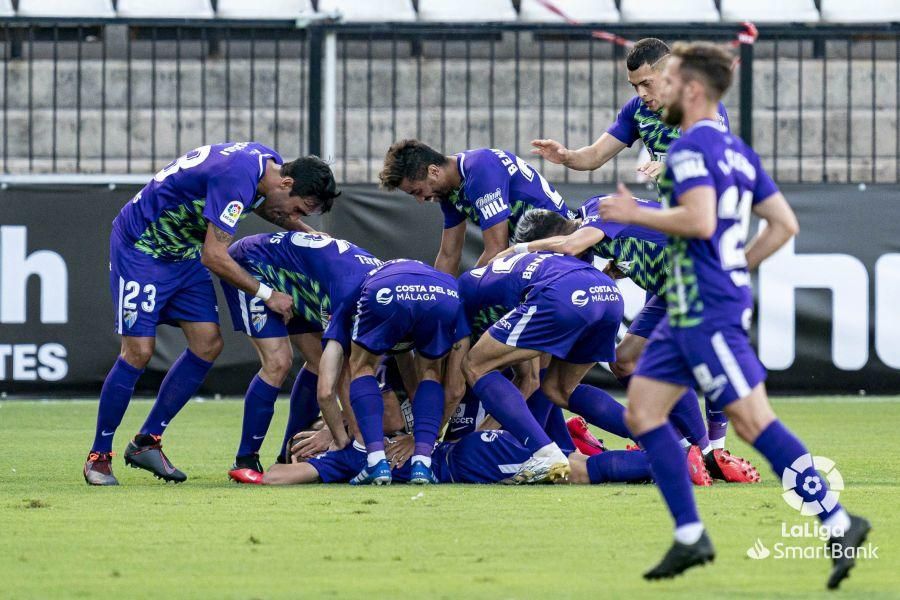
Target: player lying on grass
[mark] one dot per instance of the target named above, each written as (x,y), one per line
(561,306)
(163,246)
(639,119)
(641,254)
(711,183)
(492,296)
(317,272)
(491,188)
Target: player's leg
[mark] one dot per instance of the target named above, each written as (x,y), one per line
(304,404)
(649,402)
(563,386)
(611,466)
(276,357)
(118,387)
(428,412)
(756,423)
(368,407)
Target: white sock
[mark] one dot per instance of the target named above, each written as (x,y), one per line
(838,521)
(684,443)
(707,450)
(425,460)
(551,450)
(689,534)
(374,458)
(718,444)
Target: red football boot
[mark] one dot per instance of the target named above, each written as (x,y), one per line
(247,469)
(632,448)
(697,468)
(721,464)
(584,440)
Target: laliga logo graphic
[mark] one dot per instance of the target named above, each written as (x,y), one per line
(579,298)
(811,483)
(758,551)
(383,296)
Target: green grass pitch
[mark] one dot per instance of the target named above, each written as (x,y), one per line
(208,538)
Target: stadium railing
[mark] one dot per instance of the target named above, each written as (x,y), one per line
(118,97)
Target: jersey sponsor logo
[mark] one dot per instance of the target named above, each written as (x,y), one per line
(422,293)
(259,321)
(384,296)
(579,298)
(503,324)
(232,213)
(687,164)
(604,293)
(491,204)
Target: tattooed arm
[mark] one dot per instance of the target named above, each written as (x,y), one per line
(216,258)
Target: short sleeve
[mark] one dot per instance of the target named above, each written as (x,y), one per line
(340,325)
(688,165)
(624,128)
(487,188)
(765,186)
(452,216)
(228,194)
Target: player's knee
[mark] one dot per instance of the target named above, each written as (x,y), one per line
(638,418)
(556,394)
(138,356)
(209,348)
(278,365)
(471,371)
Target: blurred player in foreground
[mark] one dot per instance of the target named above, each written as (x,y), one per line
(164,244)
(489,187)
(711,183)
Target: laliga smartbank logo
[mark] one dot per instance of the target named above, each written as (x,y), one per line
(811,486)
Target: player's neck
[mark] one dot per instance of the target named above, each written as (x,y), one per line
(455,177)
(708,111)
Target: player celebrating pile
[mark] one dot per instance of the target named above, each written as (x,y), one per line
(711,183)
(491,188)
(164,243)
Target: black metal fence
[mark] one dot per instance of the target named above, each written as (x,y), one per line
(820,103)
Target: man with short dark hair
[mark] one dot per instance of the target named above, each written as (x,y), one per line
(164,244)
(711,183)
(489,187)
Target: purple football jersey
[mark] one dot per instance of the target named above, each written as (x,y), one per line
(214,184)
(498,186)
(709,278)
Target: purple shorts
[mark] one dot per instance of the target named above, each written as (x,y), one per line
(651,315)
(251,315)
(147,292)
(719,360)
(407,301)
(574,317)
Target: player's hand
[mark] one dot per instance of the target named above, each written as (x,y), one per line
(619,207)
(503,254)
(399,450)
(282,304)
(552,151)
(613,271)
(307,444)
(652,169)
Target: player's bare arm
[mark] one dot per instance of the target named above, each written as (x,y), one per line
(329,373)
(587,158)
(450,253)
(496,240)
(781,226)
(454,382)
(215,257)
(694,217)
(573,244)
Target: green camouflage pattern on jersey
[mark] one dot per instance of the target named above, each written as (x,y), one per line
(311,300)
(178,234)
(645,263)
(682,291)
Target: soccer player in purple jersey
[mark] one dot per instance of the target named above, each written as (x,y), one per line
(164,244)
(490,188)
(711,183)
(639,119)
(318,272)
(561,306)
